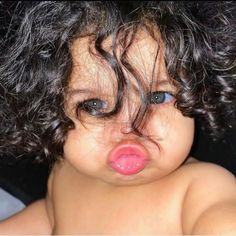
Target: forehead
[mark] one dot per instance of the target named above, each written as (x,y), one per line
(146,56)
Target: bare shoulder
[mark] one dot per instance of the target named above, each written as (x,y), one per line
(210,201)
(209,176)
(31,220)
(206,171)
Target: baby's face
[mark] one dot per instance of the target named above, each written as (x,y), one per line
(106,149)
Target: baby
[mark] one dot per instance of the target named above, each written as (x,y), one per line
(109,92)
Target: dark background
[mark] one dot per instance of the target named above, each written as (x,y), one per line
(26,178)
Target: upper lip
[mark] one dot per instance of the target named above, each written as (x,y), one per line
(128,147)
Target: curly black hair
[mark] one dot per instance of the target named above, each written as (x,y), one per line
(35,63)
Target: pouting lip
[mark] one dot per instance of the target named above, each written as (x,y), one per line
(128,148)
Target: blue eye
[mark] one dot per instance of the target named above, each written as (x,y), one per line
(93,106)
(159,97)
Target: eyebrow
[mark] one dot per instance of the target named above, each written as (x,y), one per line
(72,92)
(162,82)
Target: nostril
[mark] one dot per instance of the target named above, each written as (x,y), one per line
(126,129)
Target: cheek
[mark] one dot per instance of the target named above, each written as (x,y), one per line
(169,123)
(175,135)
(181,139)
(83,150)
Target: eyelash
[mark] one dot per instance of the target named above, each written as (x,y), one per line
(163,96)
(96,106)
(89,106)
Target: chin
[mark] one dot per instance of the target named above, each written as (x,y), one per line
(130,180)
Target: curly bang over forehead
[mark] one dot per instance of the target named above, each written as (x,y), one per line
(199,40)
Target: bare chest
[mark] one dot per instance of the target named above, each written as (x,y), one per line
(147,212)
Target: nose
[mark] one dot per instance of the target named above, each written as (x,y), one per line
(125,118)
(126,127)
(128,113)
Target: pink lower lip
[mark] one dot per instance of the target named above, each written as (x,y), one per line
(128,159)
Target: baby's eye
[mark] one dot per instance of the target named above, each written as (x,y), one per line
(159,97)
(93,106)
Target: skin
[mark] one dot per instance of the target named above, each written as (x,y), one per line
(171,195)
(95,136)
